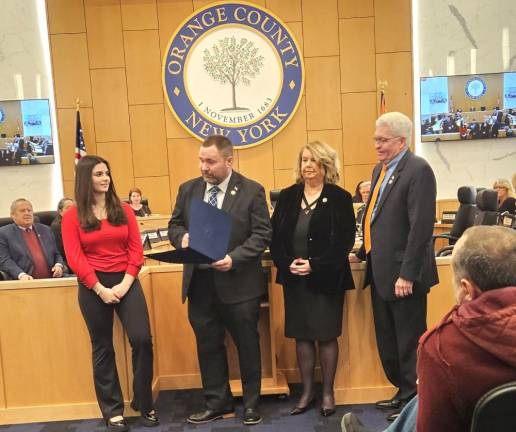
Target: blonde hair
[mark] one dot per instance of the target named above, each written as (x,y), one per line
(506,184)
(325,156)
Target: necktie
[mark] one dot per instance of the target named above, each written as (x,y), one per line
(372,203)
(212,198)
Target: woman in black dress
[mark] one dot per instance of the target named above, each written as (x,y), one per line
(313,233)
(506,200)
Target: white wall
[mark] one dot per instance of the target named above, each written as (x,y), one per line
(24,74)
(463,37)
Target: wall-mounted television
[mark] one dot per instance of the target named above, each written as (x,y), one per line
(465,107)
(25,132)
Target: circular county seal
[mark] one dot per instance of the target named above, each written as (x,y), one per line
(2,115)
(233,69)
(475,88)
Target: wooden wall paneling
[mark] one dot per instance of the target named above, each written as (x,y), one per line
(62,347)
(177,350)
(358,125)
(104,27)
(149,142)
(393,25)
(354,9)
(66,121)
(201,3)
(183,163)
(287,143)
(110,103)
(118,154)
(297,31)
(320,28)
(287,10)
(170,14)
(334,139)
(356,173)
(396,69)
(139,14)
(257,163)
(283,178)
(367,368)
(442,296)
(71,70)
(174,128)
(68,188)
(323,93)
(357,55)
(65,16)
(143,67)
(157,190)
(2,384)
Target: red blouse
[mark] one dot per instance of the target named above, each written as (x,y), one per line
(109,249)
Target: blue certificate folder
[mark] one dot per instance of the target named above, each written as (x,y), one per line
(209,233)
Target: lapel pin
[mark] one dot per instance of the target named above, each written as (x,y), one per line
(390,181)
(236,188)
(324,199)
(232,192)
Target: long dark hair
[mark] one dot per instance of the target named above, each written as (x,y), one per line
(85,197)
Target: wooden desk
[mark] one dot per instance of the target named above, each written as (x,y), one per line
(153,221)
(440,228)
(45,351)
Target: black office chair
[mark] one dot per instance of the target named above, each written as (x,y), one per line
(495,411)
(274,196)
(45,217)
(487,204)
(463,219)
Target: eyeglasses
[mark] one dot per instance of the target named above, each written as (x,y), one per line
(381,140)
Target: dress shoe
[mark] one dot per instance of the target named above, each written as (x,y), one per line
(251,417)
(117,425)
(327,412)
(300,410)
(351,423)
(210,415)
(393,416)
(150,419)
(389,404)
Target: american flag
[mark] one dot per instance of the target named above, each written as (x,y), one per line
(80,148)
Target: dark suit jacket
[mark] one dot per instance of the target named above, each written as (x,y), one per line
(15,257)
(250,235)
(401,231)
(331,235)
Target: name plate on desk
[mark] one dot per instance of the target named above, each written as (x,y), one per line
(163,233)
(448,217)
(145,241)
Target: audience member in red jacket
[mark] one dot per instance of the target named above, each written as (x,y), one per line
(472,350)
(103,247)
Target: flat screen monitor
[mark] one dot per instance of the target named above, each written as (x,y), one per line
(466,107)
(25,132)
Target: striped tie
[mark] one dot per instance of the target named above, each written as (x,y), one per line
(212,198)
(372,202)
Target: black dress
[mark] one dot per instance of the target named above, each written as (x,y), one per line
(310,314)
(144,211)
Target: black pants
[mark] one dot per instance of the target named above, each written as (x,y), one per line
(132,311)
(398,325)
(210,318)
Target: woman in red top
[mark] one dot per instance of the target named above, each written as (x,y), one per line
(103,247)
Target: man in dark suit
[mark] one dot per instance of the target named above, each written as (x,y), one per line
(27,249)
(225,294)
(398,227)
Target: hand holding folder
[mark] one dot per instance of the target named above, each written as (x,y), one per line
(208,233)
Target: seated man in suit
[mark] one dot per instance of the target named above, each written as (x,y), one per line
(27,249)
(472,350)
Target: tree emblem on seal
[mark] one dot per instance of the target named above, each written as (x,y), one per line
(234,63)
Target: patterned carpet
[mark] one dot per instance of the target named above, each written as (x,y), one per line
(175,406)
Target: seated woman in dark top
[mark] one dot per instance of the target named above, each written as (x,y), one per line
(135,201)
(63,205)
(506,200)
(313,232)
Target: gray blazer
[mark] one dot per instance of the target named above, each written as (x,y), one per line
(15,257)
(250,235)
(402,229)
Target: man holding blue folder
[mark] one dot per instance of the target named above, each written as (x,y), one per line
(226,293)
